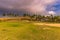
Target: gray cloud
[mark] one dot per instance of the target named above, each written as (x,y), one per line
(32,5)
(15,3)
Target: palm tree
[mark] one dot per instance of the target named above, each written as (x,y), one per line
(4,14)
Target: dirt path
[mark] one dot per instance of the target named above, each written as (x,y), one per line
(48,24)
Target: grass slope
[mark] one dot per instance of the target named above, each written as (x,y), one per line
(27,31)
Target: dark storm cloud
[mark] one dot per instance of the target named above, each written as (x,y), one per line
(32,5)
(15,3)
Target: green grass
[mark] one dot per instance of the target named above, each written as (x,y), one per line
(27,31)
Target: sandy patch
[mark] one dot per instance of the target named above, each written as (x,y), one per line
(46,28)
(48,24)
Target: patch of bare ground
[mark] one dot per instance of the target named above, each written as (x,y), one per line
(49,24)
(10,19)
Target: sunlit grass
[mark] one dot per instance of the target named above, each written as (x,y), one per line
(22,30)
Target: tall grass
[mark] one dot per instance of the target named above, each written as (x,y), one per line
(23,30)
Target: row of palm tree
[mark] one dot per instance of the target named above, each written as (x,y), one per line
(43,18)
(10,14)
(34,17)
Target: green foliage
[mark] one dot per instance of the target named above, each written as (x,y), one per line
(28,31)
(43,18)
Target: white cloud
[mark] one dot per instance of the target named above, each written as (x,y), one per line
(51,12)
(40,5)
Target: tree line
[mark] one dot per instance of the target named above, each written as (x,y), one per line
(10,14)
(42,18)
(34,17)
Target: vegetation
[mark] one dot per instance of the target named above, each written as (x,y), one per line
(22,30)
(23,27)
(43,18)
(35,17)
(10,14)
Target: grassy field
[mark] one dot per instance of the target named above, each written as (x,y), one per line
(21,30)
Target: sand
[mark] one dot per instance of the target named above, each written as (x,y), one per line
(49,24)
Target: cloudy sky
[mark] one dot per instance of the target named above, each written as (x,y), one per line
(48,6)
